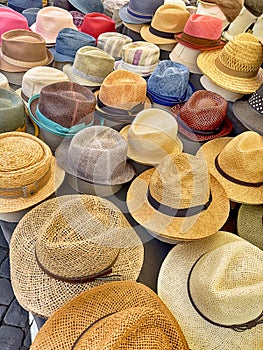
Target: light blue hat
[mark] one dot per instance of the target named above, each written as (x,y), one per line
(88,6)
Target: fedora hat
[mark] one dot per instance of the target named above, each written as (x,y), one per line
(230,8)
(167,21)
(31,14)
(236,67)
(214,289)
(139,12)
(90,67)
(96,23)
(132,311)
(113,43)
(250,112)
(62,257)
(186,56)
(10,19)
(21,5)
(236,163)
(178,199)
(151,136)
(88,6)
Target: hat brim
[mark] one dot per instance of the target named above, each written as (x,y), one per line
(60,57)
(154,39)
(52,39)
(236,193)
(96,6)
(127,18)
(218,46)
(43,295)
(194,227)
(172,289)
(169,101)
(68,69)
(119,65)
(251,119)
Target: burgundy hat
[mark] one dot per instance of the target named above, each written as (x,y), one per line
(202,32)
(96,23)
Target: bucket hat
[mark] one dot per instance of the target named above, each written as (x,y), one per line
(186,56)
(88,6)
(213,287)
(139,12)
(230,9)
(31,14)
(236,67)
(236,163)
(133,312)
(178,199)
(21,5)
(62,257)
(113,43)
(96,23)
(10,19)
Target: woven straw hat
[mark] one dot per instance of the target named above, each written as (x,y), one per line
(237,164)
(214,289)
(61,257)
(28,172)
(236,67)
(126,313)
(178,199)
(151,136)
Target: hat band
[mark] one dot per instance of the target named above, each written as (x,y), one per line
(86,76)
(137,68)
(232,179)
(200,132)
(161,34)
(236,327)
(233,72)
(111,110)
(175,212)
(139,15)
(23,64)
(199,41)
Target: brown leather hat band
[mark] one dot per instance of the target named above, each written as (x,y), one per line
(233,72)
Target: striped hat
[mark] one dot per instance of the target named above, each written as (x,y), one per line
(112,43)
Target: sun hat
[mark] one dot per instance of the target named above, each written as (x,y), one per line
(88,6)
(254,6)
(31,14)
(213,287)
(113,43)
(139,12)
(237,164)
(178,199)
(236,67)
(90,67)
(230,8)
(250,112)
(21,5)
(96,23)
(10,19)
(250,224)
(62,257)
(167,21)
(186,56)
(78,17)
(135,315)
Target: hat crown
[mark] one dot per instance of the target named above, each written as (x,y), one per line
(70,40)
(256,100)
(231,9)
(96,23)
(140,53)
(138,7)
(203,26)
(10,19)
(113,43)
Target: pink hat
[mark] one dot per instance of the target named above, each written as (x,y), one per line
(10,19)
(202,32)
(96,23)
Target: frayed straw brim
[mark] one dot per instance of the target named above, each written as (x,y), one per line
(206,64)
(236,193)
(251,119)
(43,295)
(195,227)
(172,289)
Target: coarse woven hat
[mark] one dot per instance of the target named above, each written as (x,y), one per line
(250,112)
(78,17)
(214,289)
(139,57)
(237,164)
(186,56)
(204,117)
(139,12)
(90,67)
(254,6)
(88,6)
(113,43)
(62,257)
(133,313)
(31,15)
(32,176)
(10,19)
(151,136)
(50,20)
(96,23)
(236,67)
(230,8)
(178,199)
(167,21)
(21,5)
(202,32)
(250,224)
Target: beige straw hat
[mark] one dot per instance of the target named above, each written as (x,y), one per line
(214,288)
(28,171)
(54,256)
(236,67)
(116,315)
(178,199)
(237,164)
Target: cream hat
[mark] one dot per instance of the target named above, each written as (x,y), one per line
(187,56)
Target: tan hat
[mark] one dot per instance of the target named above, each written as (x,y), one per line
(62,257)
(230,8)
(237,164)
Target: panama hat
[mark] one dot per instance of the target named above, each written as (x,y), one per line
(214,289)
(237,164)
(178,199)
(61,257)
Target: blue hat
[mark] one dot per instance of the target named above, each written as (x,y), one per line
(139,11)
(21,5)
(88,6)
(31,15)
(68,42)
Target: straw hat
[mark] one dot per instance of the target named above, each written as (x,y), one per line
(237,164)
(151,136)
(61,257)
(31,176)
(214,289)
(134,314)
(237,66)
(178,199)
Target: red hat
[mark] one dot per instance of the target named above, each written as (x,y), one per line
(96,23)
(202,32)
(10,19)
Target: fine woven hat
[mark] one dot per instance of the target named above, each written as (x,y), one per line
(139,12)
(21,5)
(62,257)
(96,23)
(10,19)
(236,67)
(151,136)
(133,313)
(186,56)
(113,43)
(214,289)
(178,199)
(230,8)
(32,176)
(237,164)
(88,6)
(31,15)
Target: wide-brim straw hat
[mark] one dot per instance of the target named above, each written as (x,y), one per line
(42,294)
(173,288)
(108,302)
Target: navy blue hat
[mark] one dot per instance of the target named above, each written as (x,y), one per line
(68,42)
(31,15)
(21,5)
(139,11)
(88,6)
